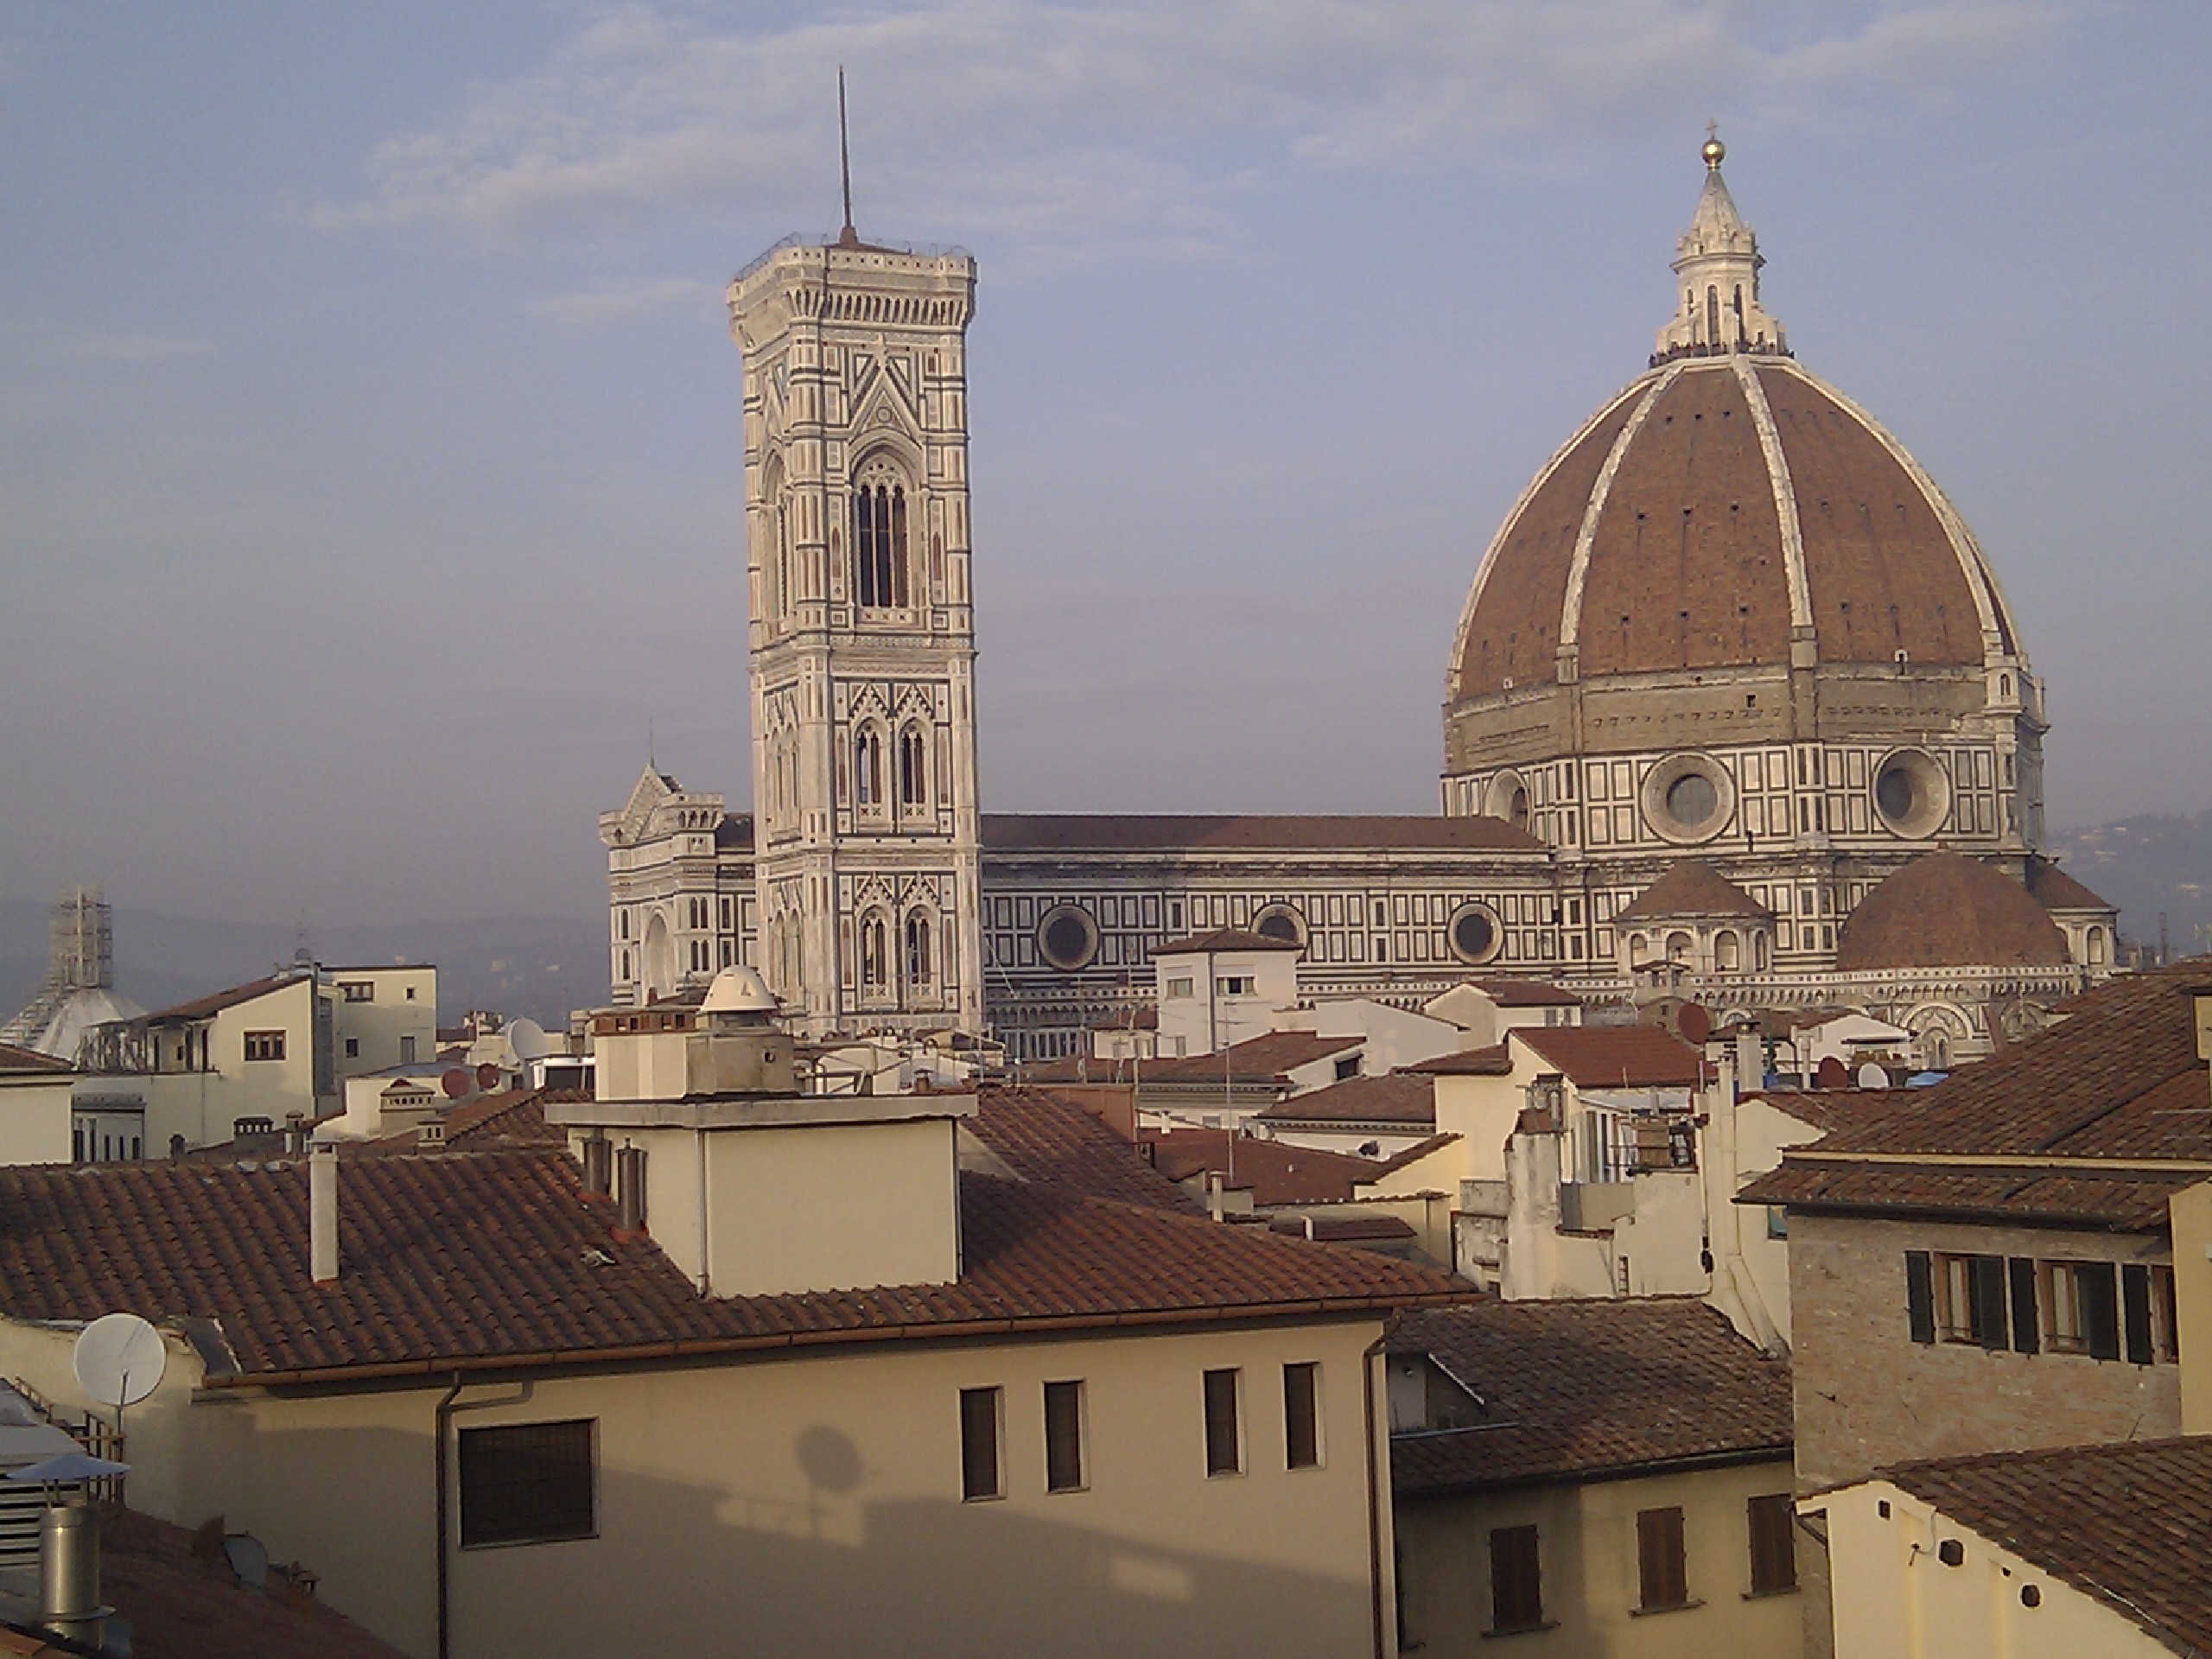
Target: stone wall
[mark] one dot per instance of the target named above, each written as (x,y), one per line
(1867,1395)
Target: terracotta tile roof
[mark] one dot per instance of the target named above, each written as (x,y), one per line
(182,1607)
(1275,1171)
(2130,1524)
(1224,938)
(14,1059)
(1495,1061)
(1264,1058)
(2056,890)
(1054,832)
(1059,1144)
(200,1007)
(1526,993)
(2116,1078)
(1691,887)
(2028,1197)
(1615,1056)
(1346,1230)
(1827,1109)
(1400,1097)
(1413,1155)
(481,1260)
(1945,910)
(1581,1390)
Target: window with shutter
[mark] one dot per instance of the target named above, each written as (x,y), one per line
(2135,1305)
(1516,1585)
(2099,1308)
(980,1475)
(1301,1417)
(1663,1574)
(1063,1437)
(1224,1438)
(527,1484)
(1774,1544)
(2025,1322)
(1920,1295)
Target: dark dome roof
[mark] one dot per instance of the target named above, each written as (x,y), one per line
(1945,910)
(1714,506)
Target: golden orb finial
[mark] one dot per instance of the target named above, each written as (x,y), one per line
(1714,150)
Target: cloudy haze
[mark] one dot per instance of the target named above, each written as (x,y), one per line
(369,430)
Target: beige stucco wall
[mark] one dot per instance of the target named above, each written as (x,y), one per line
(1587,1554)
(811,1506)
(2191,1213)
(1895,1598)
(1867,1395)
(35,1120)
(404,1003)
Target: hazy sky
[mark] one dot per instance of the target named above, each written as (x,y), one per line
(368,428)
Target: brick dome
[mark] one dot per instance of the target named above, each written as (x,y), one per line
(1945,910)
(1721,509)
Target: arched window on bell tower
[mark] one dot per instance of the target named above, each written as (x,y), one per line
(879,546)
(867,770)
(913,777)
(917,951)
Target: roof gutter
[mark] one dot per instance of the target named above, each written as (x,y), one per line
(1617,1471)
(708,1348)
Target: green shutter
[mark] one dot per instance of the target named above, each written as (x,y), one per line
(2025,1322)
(1989,1301)
(2099,1308)
(2135,1302)
(1919,1296)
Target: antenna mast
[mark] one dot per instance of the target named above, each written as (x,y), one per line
(847,238)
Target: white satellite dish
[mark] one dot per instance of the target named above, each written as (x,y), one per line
(118,1360)
(528,1039)
(1872,1076)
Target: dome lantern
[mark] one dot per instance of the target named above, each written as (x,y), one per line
(1717,264)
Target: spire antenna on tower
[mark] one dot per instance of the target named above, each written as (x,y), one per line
(848,237)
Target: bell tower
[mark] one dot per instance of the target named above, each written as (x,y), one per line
(862,634)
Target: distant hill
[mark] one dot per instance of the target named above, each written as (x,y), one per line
(2148,865)
(534,965)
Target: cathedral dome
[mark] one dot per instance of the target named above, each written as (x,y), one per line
(1727,511)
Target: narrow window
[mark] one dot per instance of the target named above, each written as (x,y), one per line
(894,552)
(1516,1582)
(527,1484)
(1919,1296)
(1712,316)
(1661,1573)
(917,951)
(1970,1293)
(1224,1438)
(981,1476)
(1774,1544)
(2164,1337)
(2135,1305)
(2025,1322)
(1063,1437)
(874,970)
(1301,1421)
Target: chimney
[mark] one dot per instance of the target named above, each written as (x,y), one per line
(69,1574)
(322,1212)
(630,1191)
(1214,1183)
(599,1161)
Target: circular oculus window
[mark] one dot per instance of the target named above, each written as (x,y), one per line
(1912,793)
(1282,922)
(1067,937)
(1475,934)
(1688,798)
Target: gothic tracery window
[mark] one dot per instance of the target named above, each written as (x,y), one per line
(880,537)
(874,970)
(914,779)
(867,761)
(918,949)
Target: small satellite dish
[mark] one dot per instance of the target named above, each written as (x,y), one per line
(1831,1073)
(528,1039)
(118,1360)
(1872,1076)
(1693,1022)
(487,1076)
(456,1083)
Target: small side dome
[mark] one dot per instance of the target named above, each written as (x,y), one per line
(737,989)
(1945,910)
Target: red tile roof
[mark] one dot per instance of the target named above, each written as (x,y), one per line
(200,1007)
(2117,1081)
(1401,1098)
(1265,1058)
(1495,1061)
(1224,938)
(2130,1524)
(1052,832)
(478,1261)
(1413,1155)
(1526,993)
(1588,1390)
(1059,1144)
(1615,1056)
(2056,890)
(1275,1171)
(1691,887)
(14,1059)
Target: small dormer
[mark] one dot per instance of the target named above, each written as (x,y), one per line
(751,1187)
